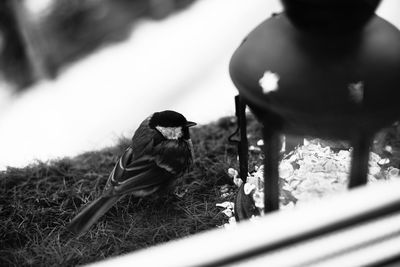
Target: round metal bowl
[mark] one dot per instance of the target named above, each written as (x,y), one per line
(333,85)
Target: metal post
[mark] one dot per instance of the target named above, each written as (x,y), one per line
(359,161)
(243,146)
(272,146)
(242,143)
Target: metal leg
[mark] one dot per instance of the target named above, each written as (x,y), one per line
(242,143)
(272,146)
(359,161)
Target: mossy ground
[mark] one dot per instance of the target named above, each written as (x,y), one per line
(38,201)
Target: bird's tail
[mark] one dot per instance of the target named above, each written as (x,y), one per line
(91,213)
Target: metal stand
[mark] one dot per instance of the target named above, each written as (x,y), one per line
(272,145)
(359,161)
(271,149)
(242,143)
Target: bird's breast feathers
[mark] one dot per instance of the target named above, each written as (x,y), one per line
(174,155)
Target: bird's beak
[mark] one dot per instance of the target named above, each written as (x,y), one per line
(190,124)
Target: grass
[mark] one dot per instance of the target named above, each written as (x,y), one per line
(38,201)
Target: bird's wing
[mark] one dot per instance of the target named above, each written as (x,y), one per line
(142,174)
(144,139)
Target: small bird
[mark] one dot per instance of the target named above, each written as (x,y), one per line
(160,152)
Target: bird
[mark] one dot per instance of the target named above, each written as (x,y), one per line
(159,153)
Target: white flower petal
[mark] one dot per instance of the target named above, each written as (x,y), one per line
(285,169)
(226,204)
(388,149)
(224,188)
(237,181)
(248,188)
(254,148)
(228,212)
(225,195)
(393,172)
(384,161)
(374,170)
(258,198)
(232,173)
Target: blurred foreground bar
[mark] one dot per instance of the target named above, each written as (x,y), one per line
(359,227)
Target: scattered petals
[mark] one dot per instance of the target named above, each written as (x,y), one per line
(312,171)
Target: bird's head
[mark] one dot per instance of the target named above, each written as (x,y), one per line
(171,124)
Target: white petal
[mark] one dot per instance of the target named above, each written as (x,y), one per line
(384,161)
(393,172)
(374,170)
(225,204)
(225,195)
(237,181)
(285,169)
(232,172)
(248,188)
(254,148)
(224,188)
(228,212)
(258,198)
(389,149)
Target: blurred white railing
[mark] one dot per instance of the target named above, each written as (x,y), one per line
(354,228)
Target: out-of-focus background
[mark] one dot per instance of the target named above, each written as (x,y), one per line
(77,75)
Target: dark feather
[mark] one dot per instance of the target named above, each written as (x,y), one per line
(91,213)
(150,178)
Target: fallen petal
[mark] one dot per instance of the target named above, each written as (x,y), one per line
(248,188)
